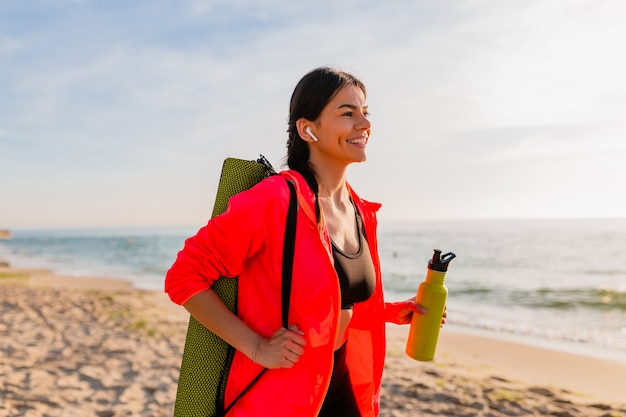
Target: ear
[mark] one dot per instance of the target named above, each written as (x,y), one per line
(301,125)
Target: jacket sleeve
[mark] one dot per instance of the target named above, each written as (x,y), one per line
(399,312)
(222,246)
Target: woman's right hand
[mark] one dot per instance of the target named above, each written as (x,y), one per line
(282,350)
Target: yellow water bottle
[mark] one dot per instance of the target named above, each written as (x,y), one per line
(432,294)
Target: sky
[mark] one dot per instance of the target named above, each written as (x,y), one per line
(119,113)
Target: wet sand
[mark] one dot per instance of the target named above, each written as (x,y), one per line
(98,347)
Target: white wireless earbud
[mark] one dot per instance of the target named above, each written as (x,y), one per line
(308,130)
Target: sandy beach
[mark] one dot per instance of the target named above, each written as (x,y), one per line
(97,347)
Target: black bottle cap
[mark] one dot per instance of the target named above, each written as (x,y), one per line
(440,262)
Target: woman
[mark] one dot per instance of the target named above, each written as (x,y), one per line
(330,361)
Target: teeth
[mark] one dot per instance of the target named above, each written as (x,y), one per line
(361,140)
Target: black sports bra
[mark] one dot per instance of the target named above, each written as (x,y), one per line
(357,277)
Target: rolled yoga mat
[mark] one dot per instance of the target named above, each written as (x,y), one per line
(206,358)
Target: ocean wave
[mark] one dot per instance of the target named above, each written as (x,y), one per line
(550,298)
(531,278)
(559,298)
(609,272)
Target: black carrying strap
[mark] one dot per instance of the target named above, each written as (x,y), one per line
(287,272)
(289,248)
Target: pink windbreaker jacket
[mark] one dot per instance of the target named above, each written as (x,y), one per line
(247,241)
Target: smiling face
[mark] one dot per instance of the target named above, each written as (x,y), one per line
(342,129)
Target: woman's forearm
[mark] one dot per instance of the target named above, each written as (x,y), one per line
(212,313)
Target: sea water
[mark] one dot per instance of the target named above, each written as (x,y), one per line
(559,282)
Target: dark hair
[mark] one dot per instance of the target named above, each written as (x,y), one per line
(311,95)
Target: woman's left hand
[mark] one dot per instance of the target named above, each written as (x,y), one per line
(402,312)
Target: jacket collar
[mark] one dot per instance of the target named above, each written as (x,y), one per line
(306,198)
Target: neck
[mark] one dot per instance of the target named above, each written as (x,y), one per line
(331,183)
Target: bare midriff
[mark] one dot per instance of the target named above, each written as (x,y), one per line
(344,321)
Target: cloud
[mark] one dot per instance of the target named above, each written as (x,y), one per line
(465,96)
